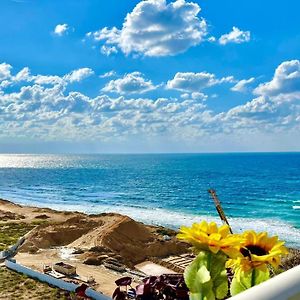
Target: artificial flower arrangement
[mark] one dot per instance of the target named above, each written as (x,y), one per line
(248,255)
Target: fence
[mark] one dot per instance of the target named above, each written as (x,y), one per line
(12,249)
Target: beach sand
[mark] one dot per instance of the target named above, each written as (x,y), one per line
(95,239)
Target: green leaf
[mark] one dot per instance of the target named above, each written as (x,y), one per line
(207,276)
(191,275)
(260,276)
(219,275)
(200,296)
(245,280)
(237,286)
(221,286)
(198,279)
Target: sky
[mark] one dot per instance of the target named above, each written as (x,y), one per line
(149,76)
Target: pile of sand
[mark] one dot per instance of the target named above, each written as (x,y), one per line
(59,234)
(93,235)
(111,234)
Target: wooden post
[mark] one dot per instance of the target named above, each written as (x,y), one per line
(219,208)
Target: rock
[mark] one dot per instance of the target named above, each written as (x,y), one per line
(97,260)
(103,257)
(99,249)
(93,260)
(78,251)
(43,217)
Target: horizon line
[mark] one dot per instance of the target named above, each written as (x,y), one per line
(147,153)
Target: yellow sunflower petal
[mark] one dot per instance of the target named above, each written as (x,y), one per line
(212,228)
(203,226)
(224,230)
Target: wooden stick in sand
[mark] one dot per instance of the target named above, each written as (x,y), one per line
(219,207)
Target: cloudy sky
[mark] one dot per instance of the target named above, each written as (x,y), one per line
(149,76)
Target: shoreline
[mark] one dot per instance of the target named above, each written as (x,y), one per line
(174,219)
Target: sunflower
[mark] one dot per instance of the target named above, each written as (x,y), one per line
(257,251)
(207,236)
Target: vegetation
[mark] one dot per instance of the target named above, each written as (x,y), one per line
(16,286)
(11,232)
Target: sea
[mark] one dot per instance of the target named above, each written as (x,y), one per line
(259,191)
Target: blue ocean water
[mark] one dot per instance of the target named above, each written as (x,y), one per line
(259,191)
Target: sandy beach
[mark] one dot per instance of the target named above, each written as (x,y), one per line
(87,241)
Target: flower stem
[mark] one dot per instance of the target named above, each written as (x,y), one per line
(209,261)
(253,275)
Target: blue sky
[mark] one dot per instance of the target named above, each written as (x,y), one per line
(149,76)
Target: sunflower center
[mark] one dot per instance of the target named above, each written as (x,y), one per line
(253,249)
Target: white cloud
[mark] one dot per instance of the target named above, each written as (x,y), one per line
(48,79)
(79,75)
(111,73)
(277,104)
(211,39)
(111,35)
(23,75)
(199,96)
(61,29)
(286,80)
(5,71)
(108,50)
(74,76)
(194,96)
(132,83)
(236,36)
(156,28)
(195,82)
(243,85)
(51,112)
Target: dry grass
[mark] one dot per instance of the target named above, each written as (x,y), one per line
(291,260)
(11,232)
(15,286)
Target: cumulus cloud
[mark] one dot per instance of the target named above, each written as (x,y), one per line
(195,82)
(236,36)
(286,80)
(132,83)
(5,71)
(278,101)
(108,50)
(243,85)
(156,28)
(34,110)
(7,79)
(61,29)
(194,96)
(23,75)
(79,75)
(111,73)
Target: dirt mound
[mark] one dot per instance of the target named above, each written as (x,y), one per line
(106,234)
(46,236)
(132,240)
